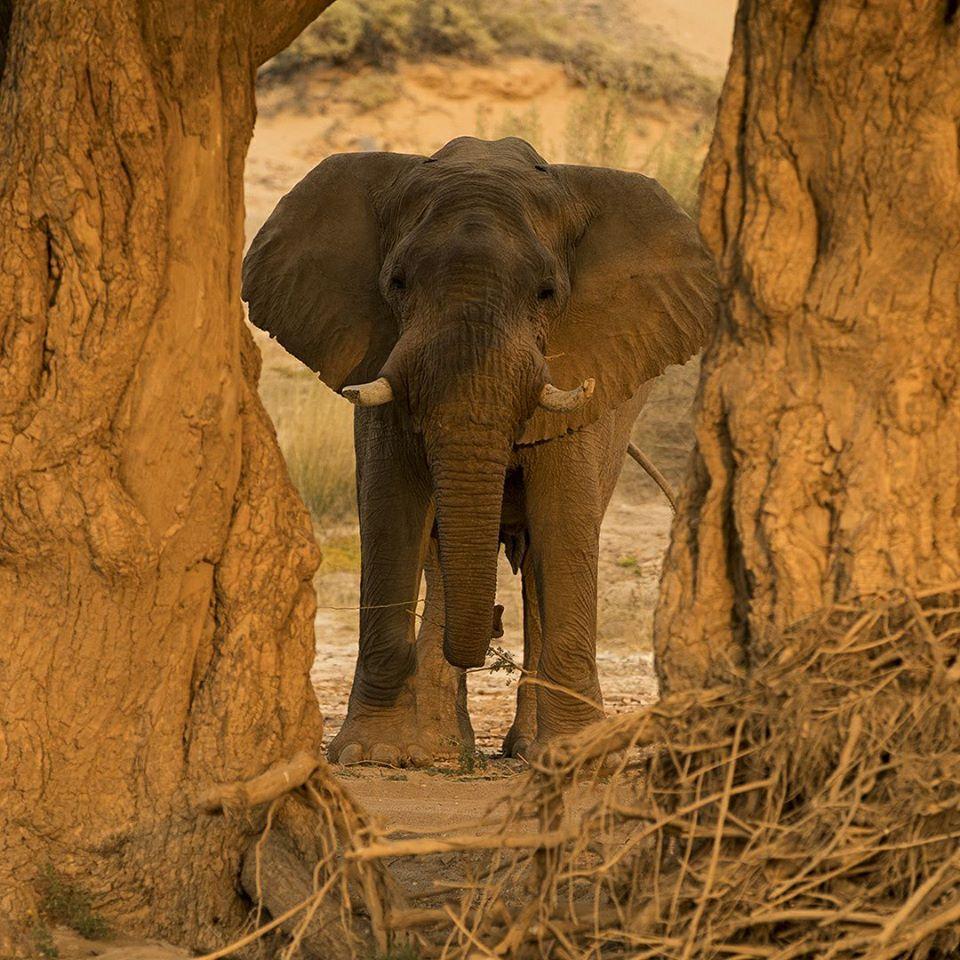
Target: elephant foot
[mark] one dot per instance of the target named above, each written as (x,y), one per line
(380,735)
(519,739)
(538,750)
(392,735)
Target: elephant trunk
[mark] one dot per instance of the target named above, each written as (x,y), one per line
(468,474)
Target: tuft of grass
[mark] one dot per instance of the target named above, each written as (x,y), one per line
(525,124)
(603,45)
(340,553)
(315,432)
(471,760)
(596,129)
(676,162)
(42,940)
(63,902)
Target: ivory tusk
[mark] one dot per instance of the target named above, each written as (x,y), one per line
(563,401)
(371,394)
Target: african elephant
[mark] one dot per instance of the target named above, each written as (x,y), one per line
(496,320)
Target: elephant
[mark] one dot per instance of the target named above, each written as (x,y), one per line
(497,321)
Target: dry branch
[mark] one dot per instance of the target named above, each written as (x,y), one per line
(279,779)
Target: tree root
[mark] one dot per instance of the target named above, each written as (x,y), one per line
(307,870)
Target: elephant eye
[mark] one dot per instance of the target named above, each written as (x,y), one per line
(397,282)
(546,292)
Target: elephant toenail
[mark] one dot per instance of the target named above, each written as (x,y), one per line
(419,757)
(384,753)
(351,753)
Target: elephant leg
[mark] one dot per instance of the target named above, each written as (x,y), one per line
(564,510)
(393,501)
(523,731)
(441,689)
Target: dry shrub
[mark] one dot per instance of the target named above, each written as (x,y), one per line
(808,809)
(604,44)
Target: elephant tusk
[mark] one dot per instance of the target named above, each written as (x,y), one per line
(563,401)
(371,394)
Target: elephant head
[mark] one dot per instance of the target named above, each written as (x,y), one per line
(494,300)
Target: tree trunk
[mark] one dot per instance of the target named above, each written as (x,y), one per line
(828,458)
(155,561)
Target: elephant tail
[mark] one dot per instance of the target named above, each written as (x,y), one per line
(655,475)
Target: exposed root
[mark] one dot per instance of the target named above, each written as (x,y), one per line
(306,868)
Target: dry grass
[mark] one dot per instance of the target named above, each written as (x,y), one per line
(676,161)
(315,430)
(602,45)
(809,809)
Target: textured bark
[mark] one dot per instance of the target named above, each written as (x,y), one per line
(155,562)
(828,428)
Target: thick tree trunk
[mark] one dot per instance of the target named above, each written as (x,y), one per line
(155,563)
(828,460)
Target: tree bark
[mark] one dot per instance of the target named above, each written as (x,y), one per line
(155,561)
(828,426)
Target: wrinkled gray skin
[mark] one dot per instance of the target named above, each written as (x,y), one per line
(467,281)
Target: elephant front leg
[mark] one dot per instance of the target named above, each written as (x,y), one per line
(563,516)
(395,514)
(523,730)
(441,689)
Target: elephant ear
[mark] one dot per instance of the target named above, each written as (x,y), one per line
(642,294)
(311,275)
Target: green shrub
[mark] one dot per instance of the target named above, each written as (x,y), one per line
(63,902)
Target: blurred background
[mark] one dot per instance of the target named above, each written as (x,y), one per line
(622,83)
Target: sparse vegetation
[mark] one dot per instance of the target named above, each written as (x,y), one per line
(471,760)
(596,129)
(42,940)
(676,161)
(405,952)
(63,902)
(370,90)
(605,48)
(315,430)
